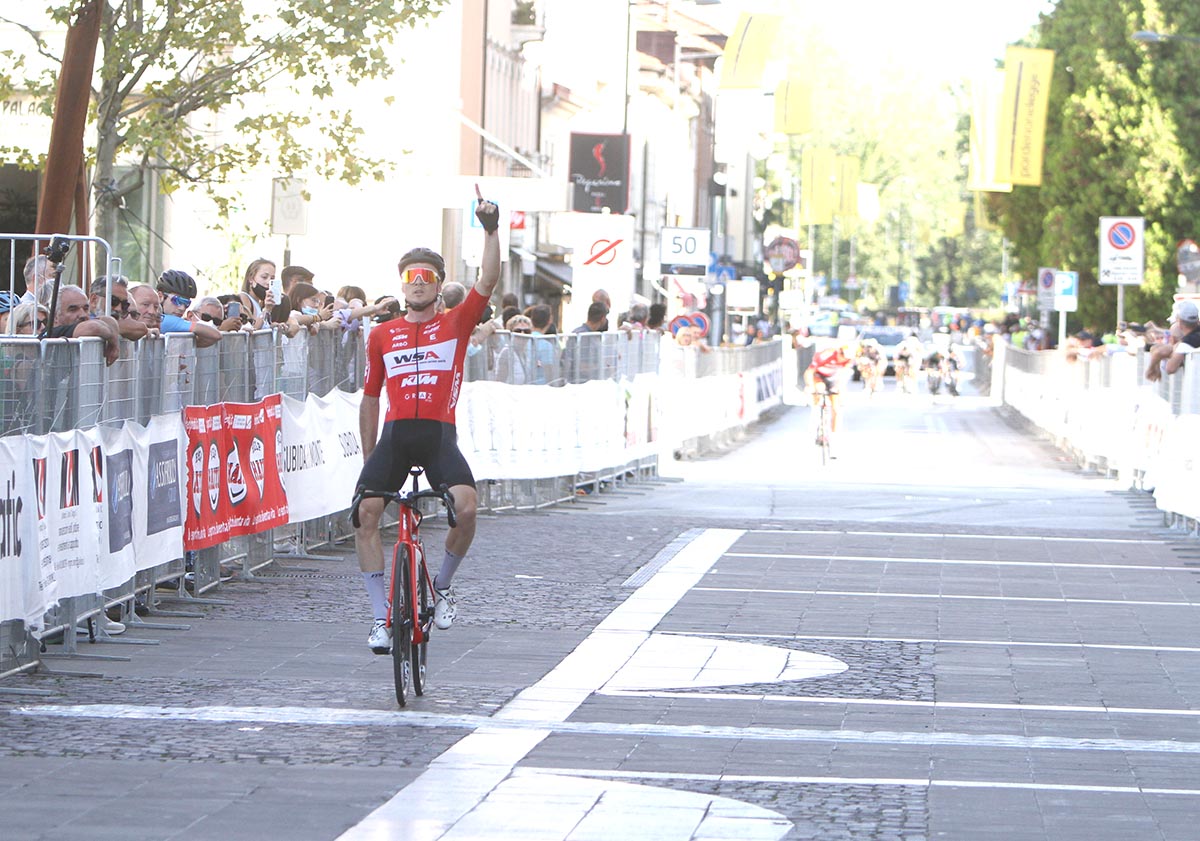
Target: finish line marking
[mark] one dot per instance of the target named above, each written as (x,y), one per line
(527,732)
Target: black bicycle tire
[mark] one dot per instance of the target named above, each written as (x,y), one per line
(401,625)
(425,614)
(824,430)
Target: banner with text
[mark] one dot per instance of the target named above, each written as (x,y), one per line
(234,487)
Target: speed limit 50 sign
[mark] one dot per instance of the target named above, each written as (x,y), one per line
(684,247)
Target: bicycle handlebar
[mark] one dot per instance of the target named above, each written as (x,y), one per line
(408,500)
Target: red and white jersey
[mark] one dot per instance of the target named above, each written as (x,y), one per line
(422,363)
(829,361)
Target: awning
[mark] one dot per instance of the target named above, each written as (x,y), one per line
(554,274)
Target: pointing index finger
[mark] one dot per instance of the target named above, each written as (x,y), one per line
(478,194)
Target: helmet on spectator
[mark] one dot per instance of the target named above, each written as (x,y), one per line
(175,282)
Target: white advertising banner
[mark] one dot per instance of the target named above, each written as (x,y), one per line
(321,454)
(66,520)
(27,585)
(155,512)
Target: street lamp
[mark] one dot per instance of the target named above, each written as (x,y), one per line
(1147,37)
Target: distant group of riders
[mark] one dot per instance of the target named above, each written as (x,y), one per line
(941,367)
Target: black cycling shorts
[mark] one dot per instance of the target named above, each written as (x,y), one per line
(830,381)
(431,444)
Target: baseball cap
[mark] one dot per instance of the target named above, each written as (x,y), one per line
(1187,312)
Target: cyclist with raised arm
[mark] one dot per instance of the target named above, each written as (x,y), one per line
(828,366)
(419,356)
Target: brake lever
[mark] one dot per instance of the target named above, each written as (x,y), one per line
(451,520)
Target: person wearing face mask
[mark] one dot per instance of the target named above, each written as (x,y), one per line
(312,309)
(259,296)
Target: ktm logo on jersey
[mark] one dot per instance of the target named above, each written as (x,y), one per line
(418,379)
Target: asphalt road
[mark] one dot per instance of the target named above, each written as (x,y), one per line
(948,632)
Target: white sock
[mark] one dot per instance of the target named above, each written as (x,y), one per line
(377,590)
(445,575)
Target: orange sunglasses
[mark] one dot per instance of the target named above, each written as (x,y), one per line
(419,275)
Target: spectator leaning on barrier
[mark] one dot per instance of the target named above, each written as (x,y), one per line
(148,303)
(545,346)
(73,321)
(119,304)
(1183,336)
(176,290)
(597,319)
(312,306)
(23,322)
(210,309)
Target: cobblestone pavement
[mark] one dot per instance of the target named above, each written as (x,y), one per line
(1004,672)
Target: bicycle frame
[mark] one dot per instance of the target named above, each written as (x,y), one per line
(408,534)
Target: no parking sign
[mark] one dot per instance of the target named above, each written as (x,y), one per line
(1122,250)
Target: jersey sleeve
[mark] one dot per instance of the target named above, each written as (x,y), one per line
(373,381)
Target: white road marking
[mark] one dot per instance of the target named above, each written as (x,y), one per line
(881,595)
(1002,643)
(484,754)
(881,559)
(947,536)
(469,775)
(915,782)
(885,702)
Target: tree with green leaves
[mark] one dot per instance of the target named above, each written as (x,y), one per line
(1123,137)
(174,78)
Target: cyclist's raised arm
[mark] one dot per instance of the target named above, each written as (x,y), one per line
(489,216)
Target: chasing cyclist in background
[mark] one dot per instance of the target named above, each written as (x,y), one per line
(908,361)
(828,367)
(420,357)
(872,364)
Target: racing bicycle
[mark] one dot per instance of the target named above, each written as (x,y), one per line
(824,411)
(410,597)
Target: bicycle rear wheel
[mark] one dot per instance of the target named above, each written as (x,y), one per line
(823,434)
(425,619)
(402,631)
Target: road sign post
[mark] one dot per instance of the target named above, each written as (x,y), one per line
(1122,255)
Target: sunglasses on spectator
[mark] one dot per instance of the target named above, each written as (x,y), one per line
(522,330)
(212,319)
(179,300)
(420,276)
(119,303)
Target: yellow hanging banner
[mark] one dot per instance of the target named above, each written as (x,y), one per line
(817,196)
(1022,136)
(793,107)
(747,50)
(987,92)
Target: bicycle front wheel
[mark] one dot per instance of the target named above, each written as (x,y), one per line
(424,620)
(402,628)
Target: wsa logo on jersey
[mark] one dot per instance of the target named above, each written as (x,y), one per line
(418,360)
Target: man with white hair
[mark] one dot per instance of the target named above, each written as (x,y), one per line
(1183,336)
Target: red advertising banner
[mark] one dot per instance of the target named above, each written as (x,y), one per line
(233,472)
